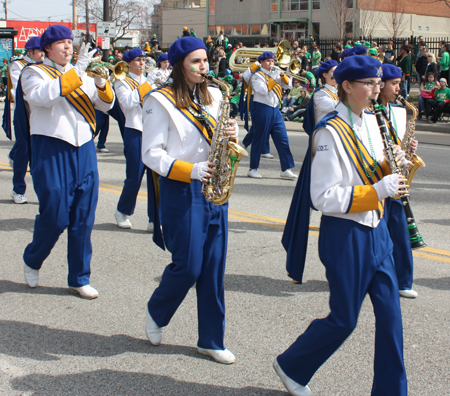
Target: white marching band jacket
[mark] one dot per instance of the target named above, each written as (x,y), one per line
(51,113)
(171,143)
(130,99)
(325,100)
(334,176)
(15,69)
(158,77)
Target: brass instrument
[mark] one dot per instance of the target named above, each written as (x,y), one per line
(120,70)
(282,56)
(224,154)
(294,68)
(415,239)
(417,162)
(380,57)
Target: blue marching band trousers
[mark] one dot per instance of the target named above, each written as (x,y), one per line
(267,121)
(135,169)
(65,179)
(195,233)
(358,261)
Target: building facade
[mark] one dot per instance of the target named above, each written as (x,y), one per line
(296,19)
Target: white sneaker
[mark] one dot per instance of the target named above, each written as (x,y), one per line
(408,293)
(224,357)
(287,174)
(86,291)
(31,276)
(292,387)
(122,220)
(150,227)
(267,155)
(103,150)
(254,173)
(10,161)
(19,199)
(154,333)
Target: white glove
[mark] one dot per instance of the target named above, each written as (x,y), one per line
(199,170)
(99,81)
(399,156)
(84,59)
(387,187)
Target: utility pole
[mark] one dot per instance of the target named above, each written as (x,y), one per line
(106,18)
(88,26)
(74,15)
(6,9)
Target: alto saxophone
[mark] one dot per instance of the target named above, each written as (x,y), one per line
(223,154)
(417,162)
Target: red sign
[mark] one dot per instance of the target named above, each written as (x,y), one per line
(28,29)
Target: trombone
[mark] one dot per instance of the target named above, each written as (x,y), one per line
(294,68)
(120,70)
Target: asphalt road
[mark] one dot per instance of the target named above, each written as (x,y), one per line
(53,343)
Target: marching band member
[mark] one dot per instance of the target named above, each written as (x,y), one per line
(179,119)
(267,119)
(20,152)
(61,100)
(130,93)
(396,220)
(159,76)
(349,181)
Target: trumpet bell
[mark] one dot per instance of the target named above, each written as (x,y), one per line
(120,70)
(283,54)
(295,66)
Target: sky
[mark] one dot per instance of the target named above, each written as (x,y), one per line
(40,10)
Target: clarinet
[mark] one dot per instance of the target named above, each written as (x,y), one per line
(415,238)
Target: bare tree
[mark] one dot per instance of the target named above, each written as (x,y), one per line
(367,19)
(394,19)
(125,13)
(340,11)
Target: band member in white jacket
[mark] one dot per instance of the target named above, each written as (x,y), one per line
(62,100)
(179,120)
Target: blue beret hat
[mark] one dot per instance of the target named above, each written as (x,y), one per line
(184,46)
(33,43)
(357,51)
(357,67)
(163,57)
(325,66)
(55,33)
(344,53)
(266,55)
(391,71)
(132,54)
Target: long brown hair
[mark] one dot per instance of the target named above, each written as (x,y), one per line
(182,91)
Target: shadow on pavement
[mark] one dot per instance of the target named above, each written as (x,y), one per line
(110,382)
(16,224)
(434,283)
(271,287)
(13,287)
(37,342)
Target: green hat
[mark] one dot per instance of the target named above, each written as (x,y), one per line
(367,44)
(19,51)
(358,44)
(373,51)
(348,46)
(154,35)
(228,79)
(111,57)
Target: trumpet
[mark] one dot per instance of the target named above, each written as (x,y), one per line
(120,70)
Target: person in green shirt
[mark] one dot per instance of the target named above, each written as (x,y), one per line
(405,63)
(311,78)
(426,91)
(292,97)
(4,86)
(444,61)
(441,104)
(315,60)
(192,33)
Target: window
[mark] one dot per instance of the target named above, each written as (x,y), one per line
(227,30)
(212,7)
(348,28)
(256,30)
(219,29)
(274,5)
(284,5)
(350,4)
(304,5)
(295,5)
(265,29)
(316,5)
(316,29)
(212,30)
(245,30)
(237,30)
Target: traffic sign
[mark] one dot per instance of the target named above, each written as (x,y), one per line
(106,29)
